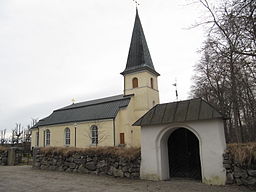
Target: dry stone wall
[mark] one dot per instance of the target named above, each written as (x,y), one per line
(239,174)
(3,157)
(100,164)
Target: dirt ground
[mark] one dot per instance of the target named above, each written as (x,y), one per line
(24,178)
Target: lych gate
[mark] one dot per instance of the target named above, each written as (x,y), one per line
(183,154)
(183,139)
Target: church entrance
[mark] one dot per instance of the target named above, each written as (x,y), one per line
(184,157)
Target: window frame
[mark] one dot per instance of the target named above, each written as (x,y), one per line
(152,83)
(67,135)
(37,138)
(135,82)
(94,135)
(47,137)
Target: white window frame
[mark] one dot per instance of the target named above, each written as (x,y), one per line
(67,136)
(47,137)
(94,135)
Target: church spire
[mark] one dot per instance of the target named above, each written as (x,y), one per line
(139,56)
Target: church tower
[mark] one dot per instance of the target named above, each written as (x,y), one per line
(140,76)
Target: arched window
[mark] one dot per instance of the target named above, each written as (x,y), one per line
(135,82)
(67,136)
(152,83)
(37,139)
(94,134)
(47,137)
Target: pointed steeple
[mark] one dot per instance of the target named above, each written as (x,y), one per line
(139,56)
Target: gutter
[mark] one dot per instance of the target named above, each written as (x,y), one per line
(114,132)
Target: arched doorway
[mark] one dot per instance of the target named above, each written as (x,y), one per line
(183,152)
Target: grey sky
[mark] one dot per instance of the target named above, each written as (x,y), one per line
(52,51)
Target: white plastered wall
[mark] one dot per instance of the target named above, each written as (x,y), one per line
(154,150)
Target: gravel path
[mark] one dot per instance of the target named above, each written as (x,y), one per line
(24,178)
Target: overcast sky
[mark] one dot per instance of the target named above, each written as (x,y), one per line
(52,51)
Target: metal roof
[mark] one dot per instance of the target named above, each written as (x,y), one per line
(105,108)
(139,56)
(93,102)
(177,112)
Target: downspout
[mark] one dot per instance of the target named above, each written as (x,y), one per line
(114,132)
(38,138)
(124,86)
(75,125)
(44,138)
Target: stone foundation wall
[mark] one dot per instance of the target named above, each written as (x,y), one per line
(100,164)
(237,173)
(3,157)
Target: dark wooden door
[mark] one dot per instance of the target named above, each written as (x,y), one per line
(184,158)
(121,138)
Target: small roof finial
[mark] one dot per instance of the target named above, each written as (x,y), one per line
(73,101)
(137,4)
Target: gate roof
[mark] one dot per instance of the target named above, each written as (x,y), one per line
(178,112)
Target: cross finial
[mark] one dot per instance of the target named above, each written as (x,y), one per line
(136,2)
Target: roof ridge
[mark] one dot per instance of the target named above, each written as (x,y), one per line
(215,108)
(181,101)
(140,119)
(74,106)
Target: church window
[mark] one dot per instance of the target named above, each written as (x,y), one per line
(94,134)
(67,136)
(152,83)
(37,138)
(47,137)
(135,82)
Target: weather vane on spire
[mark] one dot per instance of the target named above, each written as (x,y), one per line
(176,89)
(136,2)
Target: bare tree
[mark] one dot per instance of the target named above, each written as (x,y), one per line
(33,122)
(226,73)
(3,139)
(17,133)
(27,132)
(235,21)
